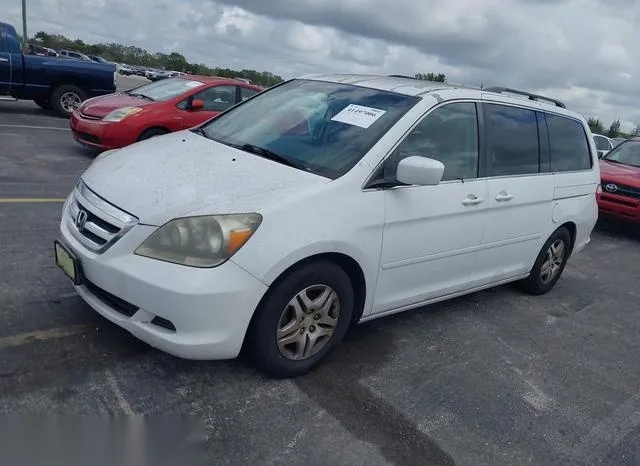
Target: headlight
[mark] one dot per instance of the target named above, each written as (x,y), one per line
(205,241)
(122,113)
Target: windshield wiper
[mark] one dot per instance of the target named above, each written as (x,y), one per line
(144,96)
(200,131)
(270,155)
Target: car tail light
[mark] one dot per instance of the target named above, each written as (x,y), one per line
(598,190)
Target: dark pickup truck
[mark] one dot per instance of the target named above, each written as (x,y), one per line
(52,83)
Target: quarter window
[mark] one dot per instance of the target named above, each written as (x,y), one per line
(601,143)
(450,135)
(568,144)
(512,141)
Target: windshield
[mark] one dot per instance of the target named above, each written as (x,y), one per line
(627,153)
(324,128)
(166,89)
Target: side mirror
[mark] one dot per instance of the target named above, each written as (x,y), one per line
(420,171)
(197,104)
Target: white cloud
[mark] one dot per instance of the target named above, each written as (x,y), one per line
(580,51)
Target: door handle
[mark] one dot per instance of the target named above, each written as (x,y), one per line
(504,196)
(4,59)
(471,199)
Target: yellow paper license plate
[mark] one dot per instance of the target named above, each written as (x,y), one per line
(66,262)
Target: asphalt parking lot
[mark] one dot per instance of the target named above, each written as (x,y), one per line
(492,378)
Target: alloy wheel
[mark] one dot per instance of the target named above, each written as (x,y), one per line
(554,258)
(70,102)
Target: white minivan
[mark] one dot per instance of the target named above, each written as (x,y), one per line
(323,202)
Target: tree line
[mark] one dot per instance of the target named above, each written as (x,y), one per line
(136,56)
(613,131)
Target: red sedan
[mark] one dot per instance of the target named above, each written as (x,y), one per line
(117,120)
(620,174)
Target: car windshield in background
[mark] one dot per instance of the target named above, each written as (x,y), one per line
(627,153)
(166,89)
(324,128)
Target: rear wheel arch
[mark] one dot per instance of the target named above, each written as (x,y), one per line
(573,231)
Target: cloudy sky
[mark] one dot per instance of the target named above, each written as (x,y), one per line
(580,51)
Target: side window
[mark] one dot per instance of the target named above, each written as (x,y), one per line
(218,98)
(568,144)
(601,143)
(512,141)
(245,93)
(450,135)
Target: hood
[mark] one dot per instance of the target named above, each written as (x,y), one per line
(183,174)
(619,173)
(100,107)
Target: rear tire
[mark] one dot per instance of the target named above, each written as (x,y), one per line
(152,133)
(66,99)
(43,103)
(550,263)
(302,319)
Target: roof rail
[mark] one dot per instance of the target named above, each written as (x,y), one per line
(501,90)
(401,76)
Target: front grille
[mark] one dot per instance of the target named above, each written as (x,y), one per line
(616,200)
(86,137)
(621,189)
(115,303)
(96,223)
(89,117)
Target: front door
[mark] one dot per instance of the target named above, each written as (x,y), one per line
(432,233)
(216,99)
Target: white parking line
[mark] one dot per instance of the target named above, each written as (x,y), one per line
(55,128)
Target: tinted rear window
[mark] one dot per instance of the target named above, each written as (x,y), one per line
(568,144)
(512,146)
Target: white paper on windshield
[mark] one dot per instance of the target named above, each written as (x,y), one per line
(193,83)
(357,115)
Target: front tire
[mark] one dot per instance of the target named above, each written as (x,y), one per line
(66,99)
(152,133)
(550,263)
(302,319)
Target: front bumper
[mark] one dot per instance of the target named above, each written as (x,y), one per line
(100,134)
(187,312)
(619,207)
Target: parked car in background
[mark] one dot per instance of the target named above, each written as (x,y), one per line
(617,141)
(124,69)
(156,75)
(603,144)
(72,54)
(321,203)
(620,173)
(139,71)
(51,83)
(35,49)
(100,59)
(172,104)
